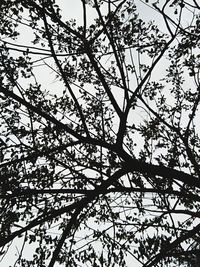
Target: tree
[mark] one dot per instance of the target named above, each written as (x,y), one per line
(99,132)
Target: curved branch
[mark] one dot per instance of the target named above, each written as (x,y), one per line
(163,252)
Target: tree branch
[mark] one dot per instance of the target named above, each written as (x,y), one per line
(163,252)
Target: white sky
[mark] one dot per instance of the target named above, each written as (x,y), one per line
(72,9)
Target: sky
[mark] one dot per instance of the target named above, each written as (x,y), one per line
(71,9)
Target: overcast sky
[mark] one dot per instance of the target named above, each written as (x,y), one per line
(72,9)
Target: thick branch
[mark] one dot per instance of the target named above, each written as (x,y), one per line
(152,170)
(94,63)
(55,213)
(164,251)
(73,223)
(38,111)
(38,221)
(30,192)
(164,172)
